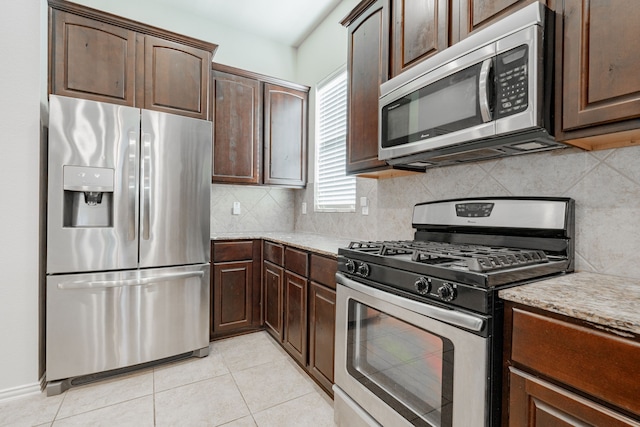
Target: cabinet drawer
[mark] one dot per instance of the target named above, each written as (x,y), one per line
(535,402)
(602,365)
(323,270)
(232,251)
(296,261)
(273,252)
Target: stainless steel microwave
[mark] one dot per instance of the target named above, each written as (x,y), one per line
(488,96)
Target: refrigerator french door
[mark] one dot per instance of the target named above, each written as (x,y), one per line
(128,241)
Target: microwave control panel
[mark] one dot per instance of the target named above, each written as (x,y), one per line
(512,83)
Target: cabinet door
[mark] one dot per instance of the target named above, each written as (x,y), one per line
(420,28)
(475,14)
(322,328)
(285,136)
(237,114)
(176,78)
(536,403)
(600,82)
(273,280)
(368,67)
(91,59)
(295,315)
(232,296)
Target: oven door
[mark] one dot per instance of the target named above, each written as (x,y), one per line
(401,362)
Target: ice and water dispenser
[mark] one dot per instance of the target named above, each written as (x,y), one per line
(88,196)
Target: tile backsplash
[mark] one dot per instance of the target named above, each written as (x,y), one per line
(261,208)
(604,184)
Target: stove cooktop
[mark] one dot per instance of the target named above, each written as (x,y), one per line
(466,249)
(475,258)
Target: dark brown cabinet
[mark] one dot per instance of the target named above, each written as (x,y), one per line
(599,64)
(299,300)
(176,78)
(368,67)
(295,316)
(475,14)
(235,288)
(419,29)
(237,138)
(296,264)
(322,320)
(92,59)
(285,136)
(260,129)
(561,371)
(102,57)
(273,288)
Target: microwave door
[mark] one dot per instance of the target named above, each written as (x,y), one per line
(450,105)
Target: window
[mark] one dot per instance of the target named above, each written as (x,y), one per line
(334,191)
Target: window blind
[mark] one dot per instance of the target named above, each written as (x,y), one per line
(334,191)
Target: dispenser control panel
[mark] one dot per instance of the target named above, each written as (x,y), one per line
(82,178)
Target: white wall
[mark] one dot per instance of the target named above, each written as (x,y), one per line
(19,188)
(235,48)
(322,53)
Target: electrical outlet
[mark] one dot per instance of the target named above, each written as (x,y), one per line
(364,202)
(236,208)
(304,208)
(365,210)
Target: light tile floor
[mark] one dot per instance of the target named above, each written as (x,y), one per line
(245,381)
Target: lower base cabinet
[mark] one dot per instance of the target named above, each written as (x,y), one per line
(295,315)
(536,402)
(289,292)
(564,372)
(299,307)
(235,288)
(273,285)
(322,333)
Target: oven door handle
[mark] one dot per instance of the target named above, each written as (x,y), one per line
(452,317)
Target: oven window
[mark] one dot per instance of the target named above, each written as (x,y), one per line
(407,367)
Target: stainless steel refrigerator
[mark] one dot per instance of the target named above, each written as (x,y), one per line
(128,240)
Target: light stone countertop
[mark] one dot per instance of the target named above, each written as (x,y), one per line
(607,301)
(318,243)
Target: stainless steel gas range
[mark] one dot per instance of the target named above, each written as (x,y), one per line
(419,323)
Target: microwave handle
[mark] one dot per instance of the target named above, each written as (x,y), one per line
(485,108)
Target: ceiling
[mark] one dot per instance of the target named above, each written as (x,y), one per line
(287,22)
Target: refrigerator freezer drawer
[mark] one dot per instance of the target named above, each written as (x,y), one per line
(103,321)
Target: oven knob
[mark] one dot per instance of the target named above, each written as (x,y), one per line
(363,269)
(351,266)
(446,292)
(422,285)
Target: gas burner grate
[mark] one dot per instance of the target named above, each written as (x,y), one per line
(479,259)
(475,258)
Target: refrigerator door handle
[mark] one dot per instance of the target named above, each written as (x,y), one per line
(101,284)
(146,184)
(133,187)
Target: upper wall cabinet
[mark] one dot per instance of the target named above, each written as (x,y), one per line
(260,128)
(92,59)
(598,67)
(237,114)
(419,29)
(176,78)
(472,15)
(285,136)
(102,57)
(368,67)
